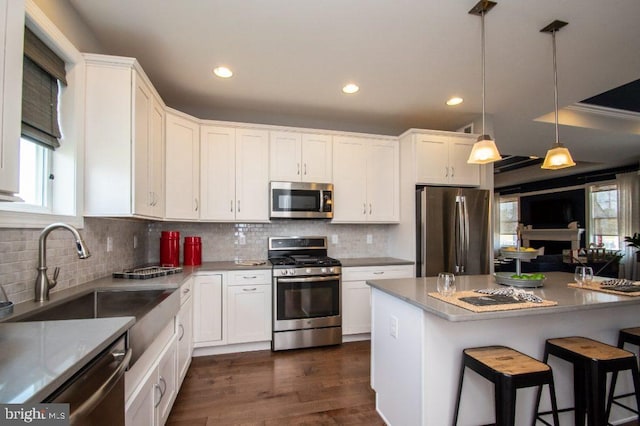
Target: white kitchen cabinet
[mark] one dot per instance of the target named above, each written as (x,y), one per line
(151,403)
(124,142)
(185,330)
(182,167)
(366,180)
(356,294)
(234,174)
(300,157)
(11,40)
(207,310)
(442,159)
(248,306)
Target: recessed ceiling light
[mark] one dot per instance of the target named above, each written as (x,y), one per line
(350,88)
(454,101)
(222,72)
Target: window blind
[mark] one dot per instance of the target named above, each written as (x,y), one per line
(42,69)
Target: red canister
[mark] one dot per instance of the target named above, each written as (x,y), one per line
(170,248)
(192,251)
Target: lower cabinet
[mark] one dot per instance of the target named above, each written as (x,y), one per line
(356,294)
(249,313)
(151,403)
(207,310)
(185,331)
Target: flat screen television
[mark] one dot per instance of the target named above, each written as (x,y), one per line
(552,211)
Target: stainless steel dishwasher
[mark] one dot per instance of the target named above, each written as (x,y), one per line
(96,393)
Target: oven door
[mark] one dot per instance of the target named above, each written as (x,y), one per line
(306,302)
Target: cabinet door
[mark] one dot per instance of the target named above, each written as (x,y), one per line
(462,173)
(383,199)
(141,408)
(316,158)
(156,159)
(11,35)
(432,159)
(356,307)
(207,309)
(285,153)
(142,197)
(183,169)
(185,338)
(249,313)
(252,175)
(350,179)
(167,381)
(218,173)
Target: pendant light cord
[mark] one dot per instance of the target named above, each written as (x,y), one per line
(483,78)
(555,82)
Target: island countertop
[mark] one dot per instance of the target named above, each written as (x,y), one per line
(415,291)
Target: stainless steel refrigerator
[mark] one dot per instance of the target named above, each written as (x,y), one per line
(452,231)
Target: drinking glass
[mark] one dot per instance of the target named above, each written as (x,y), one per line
(583,275)
(446,284)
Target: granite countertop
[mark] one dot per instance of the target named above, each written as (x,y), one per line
(373,261)
(37,357)
(414,291)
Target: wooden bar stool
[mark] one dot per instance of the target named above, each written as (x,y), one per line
(591,360)
(509,370)
(631,336)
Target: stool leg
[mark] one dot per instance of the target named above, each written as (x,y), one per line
(455,416)
(505,402)
(612,389)
(545,358)
(554,404)
(636,383)
(579,395)
(598,379)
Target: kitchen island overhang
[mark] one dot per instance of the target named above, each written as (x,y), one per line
(417,344)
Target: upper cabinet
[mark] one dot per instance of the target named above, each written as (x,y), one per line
(124,143)
(300,157)
(11,38)
(234,174)
(183,168)
(366,180)
(442,159)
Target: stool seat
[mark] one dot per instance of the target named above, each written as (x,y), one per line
(507,361)
(592,360)
(629,335)
(509,370)
(589,348)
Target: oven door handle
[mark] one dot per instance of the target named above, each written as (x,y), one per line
(90,403)
(309,279)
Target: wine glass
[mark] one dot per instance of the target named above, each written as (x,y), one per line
(446,283)
(583,275)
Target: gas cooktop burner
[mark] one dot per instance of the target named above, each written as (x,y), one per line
(304,260)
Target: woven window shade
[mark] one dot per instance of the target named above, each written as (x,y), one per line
(42,69)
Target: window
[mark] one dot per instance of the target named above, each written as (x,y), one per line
(509,208)
(603,202)
(35,163)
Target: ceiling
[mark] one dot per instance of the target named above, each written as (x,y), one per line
(291,58)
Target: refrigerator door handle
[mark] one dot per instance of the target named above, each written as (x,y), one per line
(465,235)
(423,233)
(459,238)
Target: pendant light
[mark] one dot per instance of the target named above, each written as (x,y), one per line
(558,157)
(484,150)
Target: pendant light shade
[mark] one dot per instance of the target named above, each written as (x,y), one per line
(558,157)
(484,150)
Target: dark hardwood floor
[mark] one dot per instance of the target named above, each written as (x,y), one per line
(320,386)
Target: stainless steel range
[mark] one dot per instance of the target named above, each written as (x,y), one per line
(306,293)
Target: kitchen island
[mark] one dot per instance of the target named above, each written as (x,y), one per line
(417,344)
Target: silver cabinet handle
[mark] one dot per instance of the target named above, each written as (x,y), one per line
(364,208)
(181,327)
(186,291)
(446,172)
(378,273)
(370,208)
(249,289)
(298,164)
(164,383)
(231,206)
(238,206)
(249,277)
(197,204)
(453,171)
(157,387)
(305,169)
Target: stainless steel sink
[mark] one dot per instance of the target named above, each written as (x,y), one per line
(153,309)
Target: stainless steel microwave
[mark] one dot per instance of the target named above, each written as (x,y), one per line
(301,200)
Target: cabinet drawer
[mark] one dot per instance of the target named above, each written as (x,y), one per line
(377,272)
(248,277)
(185,291)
